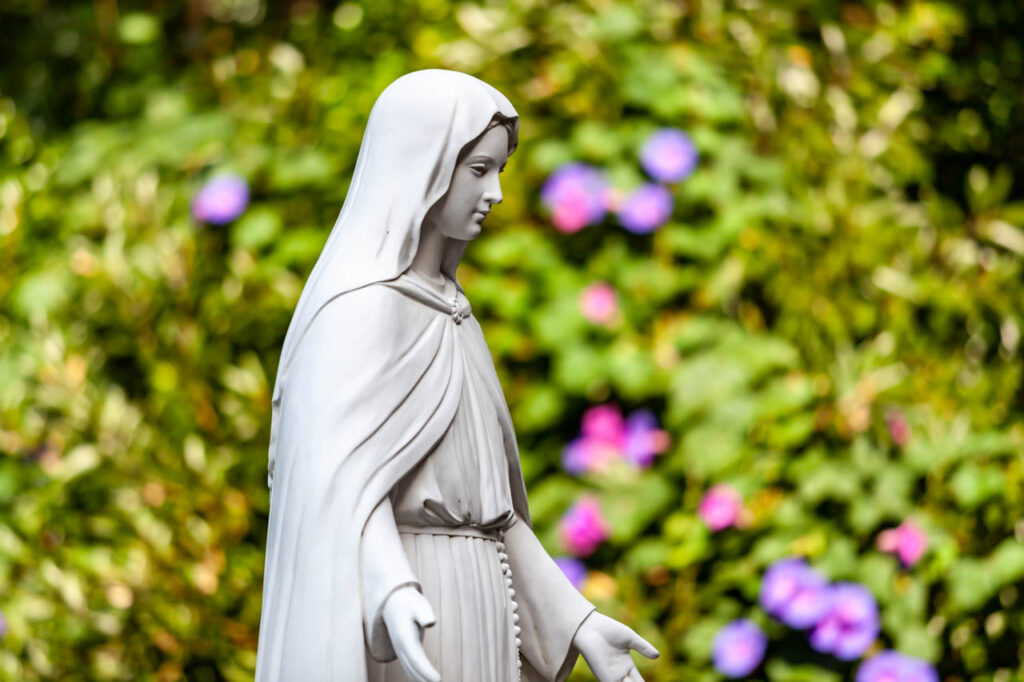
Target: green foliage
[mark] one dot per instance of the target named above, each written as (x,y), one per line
(850,247)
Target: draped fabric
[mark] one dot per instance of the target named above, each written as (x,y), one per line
(465,478)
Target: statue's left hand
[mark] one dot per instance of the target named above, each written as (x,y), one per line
(605,643)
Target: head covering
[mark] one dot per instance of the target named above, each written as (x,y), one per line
(413,137)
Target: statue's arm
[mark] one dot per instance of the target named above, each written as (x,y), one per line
(384,568)
(551,610)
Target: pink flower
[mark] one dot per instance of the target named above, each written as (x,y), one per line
(575,194)
(583,527)
(599,303)
(899,429)
(605,437)
(721,507)
(603,423)
(908,541)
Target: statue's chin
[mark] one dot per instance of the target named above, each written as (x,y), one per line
(466,234)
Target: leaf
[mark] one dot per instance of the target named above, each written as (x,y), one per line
(307,168)
(257,228)
(973,484)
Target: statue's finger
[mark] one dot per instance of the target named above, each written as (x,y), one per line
(643,646)
(423,614)
(634,676)
(416,663)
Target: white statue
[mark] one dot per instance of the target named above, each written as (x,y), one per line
(400,545)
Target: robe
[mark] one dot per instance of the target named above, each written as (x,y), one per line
(353,425)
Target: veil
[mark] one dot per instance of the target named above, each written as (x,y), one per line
(413,137)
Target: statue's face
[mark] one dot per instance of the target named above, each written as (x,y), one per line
(475,187)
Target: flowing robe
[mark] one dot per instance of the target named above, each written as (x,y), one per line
(354,423)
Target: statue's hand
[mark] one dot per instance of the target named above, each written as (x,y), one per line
(406,614)
(605,643)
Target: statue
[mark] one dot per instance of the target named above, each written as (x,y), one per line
(399,545)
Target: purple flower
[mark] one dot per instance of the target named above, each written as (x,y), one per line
(583,528)
(574,570)
(646,209)
(892,666)
(851,625)
(3,625)
(794,593)
(575,194)
(738,648)
(643,439)
(221,200)
(669,155)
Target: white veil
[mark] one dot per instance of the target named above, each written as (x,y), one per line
(413,137)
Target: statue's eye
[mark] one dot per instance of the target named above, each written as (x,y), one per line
(478,170)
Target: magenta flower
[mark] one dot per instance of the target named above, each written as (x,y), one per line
(574,570)
(738,648)
(603,422)
(3,625)
(908,541)
(599,303)
(605,437)
(575,194)
(720,507)
(583,527)
(899,428)
(646,209)
(669,155)
(892,666)
(221,200)
(851,625)
(795,593)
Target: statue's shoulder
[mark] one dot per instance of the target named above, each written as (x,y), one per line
(373,300)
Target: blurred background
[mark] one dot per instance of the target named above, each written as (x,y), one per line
(754,294)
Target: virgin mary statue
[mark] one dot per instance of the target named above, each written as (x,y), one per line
(399,545)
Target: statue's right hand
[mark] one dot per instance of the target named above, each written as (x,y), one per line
(406,614)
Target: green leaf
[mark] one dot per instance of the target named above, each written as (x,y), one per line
(257,228)
(973,484)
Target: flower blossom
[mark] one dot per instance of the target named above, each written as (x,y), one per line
(908,541)
(720,507)
(583,527)
(892,666)
(599,303)
(669,155)
(575,194)
(850,626)
(605,437)
(899,429)
(738,648)
(221,200)
(794,593)
(646,209)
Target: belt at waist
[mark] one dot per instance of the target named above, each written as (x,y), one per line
(464,531)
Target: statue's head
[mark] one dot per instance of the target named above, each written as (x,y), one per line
(475,183)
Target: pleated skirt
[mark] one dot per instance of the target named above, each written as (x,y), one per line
(468,586)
